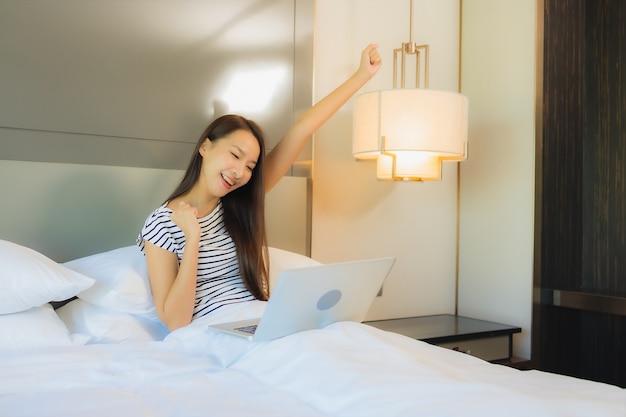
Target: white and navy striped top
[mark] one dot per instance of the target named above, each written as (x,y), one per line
(219,282)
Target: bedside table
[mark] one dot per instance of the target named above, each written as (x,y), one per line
(490,341)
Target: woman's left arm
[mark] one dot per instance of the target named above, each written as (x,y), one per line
(283,155)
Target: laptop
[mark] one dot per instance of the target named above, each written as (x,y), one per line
(313,297)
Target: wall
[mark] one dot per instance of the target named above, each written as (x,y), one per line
(75,91)
(354,215)
(96,124)
(497,181)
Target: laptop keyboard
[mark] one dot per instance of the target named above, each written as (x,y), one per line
(247,329)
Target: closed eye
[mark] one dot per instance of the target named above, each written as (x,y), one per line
(248,167)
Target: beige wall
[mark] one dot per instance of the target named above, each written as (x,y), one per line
(497,181)
(354,215)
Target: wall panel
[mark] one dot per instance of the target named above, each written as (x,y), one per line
(580,304)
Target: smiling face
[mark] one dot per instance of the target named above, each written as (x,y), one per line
(228,162)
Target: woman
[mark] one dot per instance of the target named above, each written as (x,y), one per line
(205,247)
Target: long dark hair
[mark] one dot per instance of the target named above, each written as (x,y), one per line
(244,208)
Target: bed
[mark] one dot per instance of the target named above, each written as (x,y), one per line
(105,353)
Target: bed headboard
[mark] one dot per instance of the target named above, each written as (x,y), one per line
(67,211)
(96,125)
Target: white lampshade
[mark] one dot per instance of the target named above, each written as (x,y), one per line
(410,131)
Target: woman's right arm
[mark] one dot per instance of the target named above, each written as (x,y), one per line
(174,285)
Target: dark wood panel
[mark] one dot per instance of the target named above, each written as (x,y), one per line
(604,163)
(584,147)
(562,143)
(582,238)
(590,345)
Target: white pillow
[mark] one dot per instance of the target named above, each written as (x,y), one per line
(30,279)
(281,259)
(102,325)
(122,282)
(39,326)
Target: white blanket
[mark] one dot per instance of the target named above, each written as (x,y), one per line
(351,369)
(346,369)
(132,379)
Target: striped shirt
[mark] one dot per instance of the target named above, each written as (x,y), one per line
(218,280)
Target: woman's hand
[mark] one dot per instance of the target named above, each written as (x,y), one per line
(185,216)
(370,60)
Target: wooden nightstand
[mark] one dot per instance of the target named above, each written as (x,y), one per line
(490,341)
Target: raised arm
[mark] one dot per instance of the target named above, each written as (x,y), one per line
(284,154)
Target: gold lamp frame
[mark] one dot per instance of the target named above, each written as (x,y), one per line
(410,48)
(410,131)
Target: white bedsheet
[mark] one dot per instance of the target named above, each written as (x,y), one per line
(347,369)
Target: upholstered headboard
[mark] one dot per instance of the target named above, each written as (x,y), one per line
(69,210)
(96,125)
